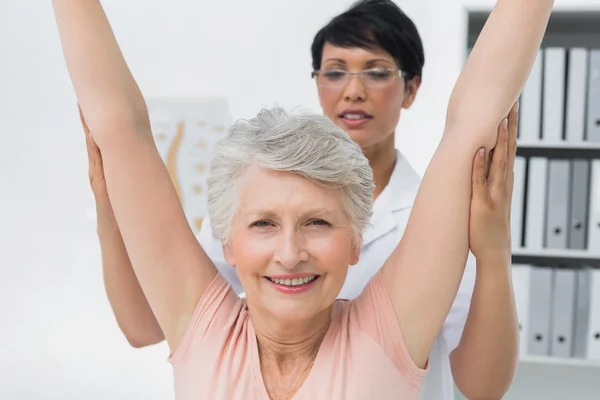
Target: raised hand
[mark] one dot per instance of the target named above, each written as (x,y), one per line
(489,226)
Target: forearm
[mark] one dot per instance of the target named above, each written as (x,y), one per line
(132,311)
(105,88)
(484,363)
(498,67)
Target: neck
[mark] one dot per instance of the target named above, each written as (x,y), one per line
(287,351)
(283,339)
(382,158)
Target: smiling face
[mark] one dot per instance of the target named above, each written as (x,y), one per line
(291,243)
(368,114)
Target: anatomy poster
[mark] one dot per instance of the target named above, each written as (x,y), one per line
(185,131)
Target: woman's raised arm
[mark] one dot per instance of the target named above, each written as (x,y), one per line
(424,272)
(172,268)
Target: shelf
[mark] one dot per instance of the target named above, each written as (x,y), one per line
(566,150)
(557,258)
(558,361)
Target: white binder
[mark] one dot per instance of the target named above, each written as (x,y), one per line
(518,203)
(576,95)
(593,346)
(540,311)
(536,203)
(530,106)
(521,283)
(554,94)
(557,209)
(593,115)
(563,312)
(594,214)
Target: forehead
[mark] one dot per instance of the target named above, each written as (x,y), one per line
(280,192)
(354,55)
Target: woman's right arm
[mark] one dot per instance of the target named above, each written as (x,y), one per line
(171,266)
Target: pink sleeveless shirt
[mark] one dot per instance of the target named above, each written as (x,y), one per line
(362,357)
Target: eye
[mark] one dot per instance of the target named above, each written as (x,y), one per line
(261,224)
(334,74)
(318,222)
(379,74)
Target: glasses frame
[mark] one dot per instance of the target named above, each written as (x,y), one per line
(397,73)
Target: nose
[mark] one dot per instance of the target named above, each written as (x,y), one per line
(355,89)
(291,250)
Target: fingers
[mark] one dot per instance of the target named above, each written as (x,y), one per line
(94,156)
(513,127)
(499,163)
(479,176)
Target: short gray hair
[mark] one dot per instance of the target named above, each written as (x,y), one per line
(309,145)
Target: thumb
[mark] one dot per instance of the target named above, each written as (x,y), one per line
(479,178)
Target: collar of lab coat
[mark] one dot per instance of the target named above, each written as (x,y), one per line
(398,195)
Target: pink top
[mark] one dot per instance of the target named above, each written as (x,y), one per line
(363,355)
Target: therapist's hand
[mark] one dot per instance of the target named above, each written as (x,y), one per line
(95,166)
(493,176)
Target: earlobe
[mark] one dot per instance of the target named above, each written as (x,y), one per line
(411,91)
(228,254)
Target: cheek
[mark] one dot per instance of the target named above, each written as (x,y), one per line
(328,101)
(332,253)
(251,253)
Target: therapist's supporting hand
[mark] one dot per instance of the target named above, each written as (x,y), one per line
(493,176)
(95,168)
(132,311)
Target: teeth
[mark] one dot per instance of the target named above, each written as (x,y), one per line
(354,116)
(295,281)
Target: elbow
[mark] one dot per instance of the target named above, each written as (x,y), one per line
(484,391)
(115,124)
(140,338)
(141,341)
(471,129)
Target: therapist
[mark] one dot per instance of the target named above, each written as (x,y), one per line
(367,66)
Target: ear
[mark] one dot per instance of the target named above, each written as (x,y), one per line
(412,87)
(228,253)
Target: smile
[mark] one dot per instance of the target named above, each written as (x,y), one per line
(294,281)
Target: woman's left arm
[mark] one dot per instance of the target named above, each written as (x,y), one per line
(492,326)
(423,274)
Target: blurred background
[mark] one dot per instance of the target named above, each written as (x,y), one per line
(58,337)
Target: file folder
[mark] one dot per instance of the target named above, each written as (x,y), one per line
(593,348)
(563,312)
(521,286)
(557,211)
(580,184)
(536,203)
(530,106)
(576,95)
(540,307)
(593,120)
(554,94)
(582,312)
(518,203)
(594,215)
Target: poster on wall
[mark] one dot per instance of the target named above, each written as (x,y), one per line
(185,131)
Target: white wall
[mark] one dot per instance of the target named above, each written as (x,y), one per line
(59,339)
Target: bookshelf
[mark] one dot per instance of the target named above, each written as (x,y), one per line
(551,143)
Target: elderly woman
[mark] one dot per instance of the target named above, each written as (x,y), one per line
(289,198)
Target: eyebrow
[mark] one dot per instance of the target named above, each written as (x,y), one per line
(370,62)
(266,214)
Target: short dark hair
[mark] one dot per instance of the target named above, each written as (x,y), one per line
(371,24)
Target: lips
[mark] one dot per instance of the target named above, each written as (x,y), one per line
(355,114)
(354,118)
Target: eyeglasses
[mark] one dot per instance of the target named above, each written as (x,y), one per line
(371,78)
